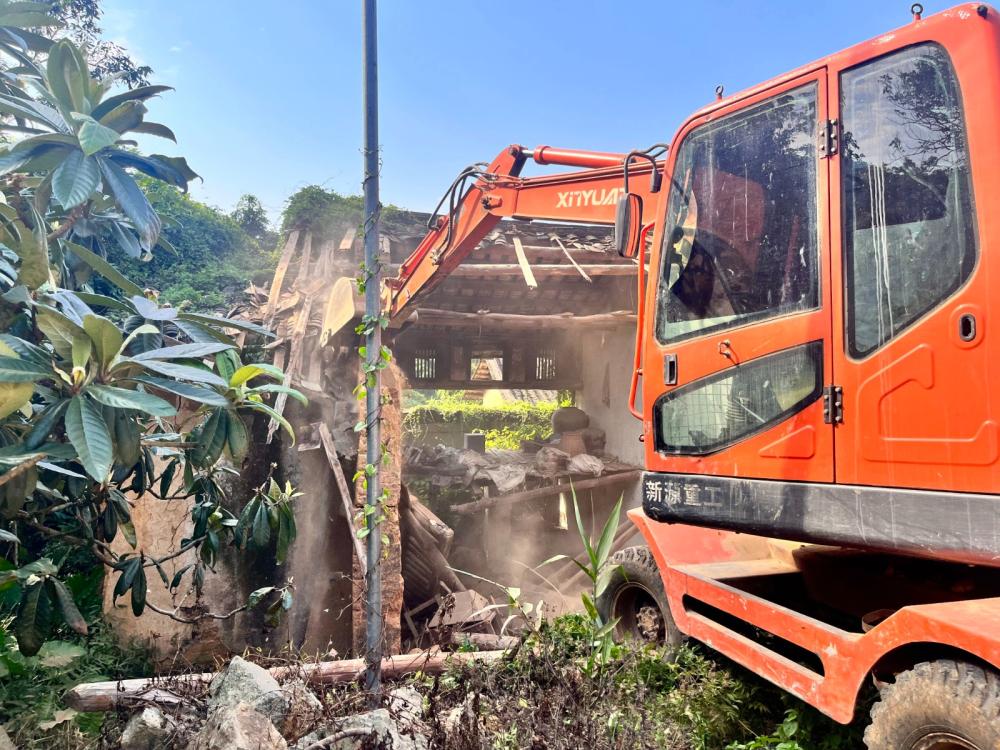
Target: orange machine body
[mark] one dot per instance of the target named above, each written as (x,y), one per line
(873,445)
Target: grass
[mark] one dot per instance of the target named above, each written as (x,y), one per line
(31,707)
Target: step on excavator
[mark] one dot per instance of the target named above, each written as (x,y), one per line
(816,372)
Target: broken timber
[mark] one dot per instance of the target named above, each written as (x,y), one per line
(430,316)
(553,489)
(330,449)
(105,696)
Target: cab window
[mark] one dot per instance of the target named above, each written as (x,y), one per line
(740,243)
(909,235)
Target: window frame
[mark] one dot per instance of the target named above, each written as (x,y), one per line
(664,253)
(815,348)
(846,252)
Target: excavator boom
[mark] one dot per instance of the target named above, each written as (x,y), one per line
(587,196)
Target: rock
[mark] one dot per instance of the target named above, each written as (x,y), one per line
(356,732)
(238,727)
(406,705)
(243,682)
(5,743)
(147,730)
(303,709)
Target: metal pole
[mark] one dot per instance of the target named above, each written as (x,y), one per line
(373,344)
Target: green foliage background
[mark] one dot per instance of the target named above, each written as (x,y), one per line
(215,259)
(505,426)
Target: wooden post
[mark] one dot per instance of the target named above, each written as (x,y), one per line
(392,571)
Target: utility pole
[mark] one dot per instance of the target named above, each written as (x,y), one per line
(373,344)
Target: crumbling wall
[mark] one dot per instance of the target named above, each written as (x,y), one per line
(607,362)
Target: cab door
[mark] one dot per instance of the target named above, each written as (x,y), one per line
(912,338)
(738,343)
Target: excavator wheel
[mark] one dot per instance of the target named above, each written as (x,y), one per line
(635,597)
(939,705)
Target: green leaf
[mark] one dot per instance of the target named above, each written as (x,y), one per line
(248,372)
(101,266)
(70,612)
(107,338)
(122,398)
(75,179)
(93,136)
(227,363)
(608,534)
(172,170)
(129,568)
(155,128)
(88,433)
(14,370)
(180,372)
(29,625)
(182,351)
(261,527)
(214,320)
(274,388)
(141,93)
(59,329)
(256,596)
(126,116)
(185,390)
(584,537)
(273,415)
(132,201)
(68,77)
(237,438)
(211,438)
(139,591)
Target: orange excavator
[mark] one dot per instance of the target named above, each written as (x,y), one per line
(815,370)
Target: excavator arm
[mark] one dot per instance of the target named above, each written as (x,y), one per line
(483,195)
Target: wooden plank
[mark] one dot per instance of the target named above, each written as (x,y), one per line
(551,490)
(279,276)
(305,261)
(571,258)
(433,316)
(105,696)
(507,270)
(330,448)
(347,242)
(522,262)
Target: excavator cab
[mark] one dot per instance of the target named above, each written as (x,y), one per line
(820,292)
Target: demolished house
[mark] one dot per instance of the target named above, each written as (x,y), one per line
(539,308)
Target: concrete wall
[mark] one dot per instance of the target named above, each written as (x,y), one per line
(606,358)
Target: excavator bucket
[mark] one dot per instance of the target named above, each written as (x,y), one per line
(344,307)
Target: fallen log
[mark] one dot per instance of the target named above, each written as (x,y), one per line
(105,696)
(607,480)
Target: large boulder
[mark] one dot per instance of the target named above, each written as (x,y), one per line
(238,727)
(244,682)
(147,730)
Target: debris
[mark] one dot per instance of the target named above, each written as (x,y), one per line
(484,640)
(549,491)
(104,696)
(303,709)
(244,682)
(466,608)
(358,731)
(147,730)
(238,727)
(584,463)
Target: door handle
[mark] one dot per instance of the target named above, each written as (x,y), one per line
(967,327)
(670,369)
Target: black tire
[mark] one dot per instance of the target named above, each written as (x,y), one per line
(635,596)
(940,705)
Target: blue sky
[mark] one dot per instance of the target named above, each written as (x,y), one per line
(268,95)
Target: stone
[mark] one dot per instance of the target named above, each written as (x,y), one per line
(238,727)
(5,743)
(360,728)
(303,709)
(147,730)
(406,705)
(244,682)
